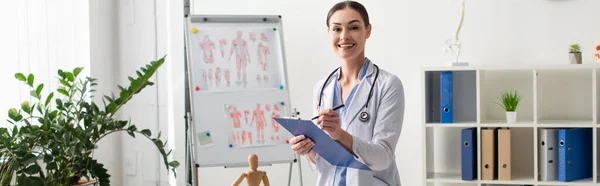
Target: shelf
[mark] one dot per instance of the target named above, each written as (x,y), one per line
(565,94)
(493,83)
(587,181)
(464,102)
(566,122)
(518,180)
(457,125)
(443,153)
(501,123)
(554,96)
(565,125)
(448,177)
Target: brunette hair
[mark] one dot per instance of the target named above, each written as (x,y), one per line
(349,4)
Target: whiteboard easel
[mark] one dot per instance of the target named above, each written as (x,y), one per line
(211,99)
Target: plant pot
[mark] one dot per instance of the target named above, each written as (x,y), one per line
(511,117)
(575,58)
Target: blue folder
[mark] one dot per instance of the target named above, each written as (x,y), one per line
(446,97)
(469,154)
(575,154)
(327,148)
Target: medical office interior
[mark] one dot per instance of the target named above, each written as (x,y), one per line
(524,77)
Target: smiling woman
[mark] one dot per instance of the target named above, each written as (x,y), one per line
(371,94)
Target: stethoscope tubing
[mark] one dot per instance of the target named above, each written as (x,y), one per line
(364,115)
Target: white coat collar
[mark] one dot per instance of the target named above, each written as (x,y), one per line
(360,96)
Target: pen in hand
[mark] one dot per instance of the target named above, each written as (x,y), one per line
(334,108)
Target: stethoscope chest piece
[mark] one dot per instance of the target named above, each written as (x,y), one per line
(364,116)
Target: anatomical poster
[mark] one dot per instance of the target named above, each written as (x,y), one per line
(235,58)
(252,124)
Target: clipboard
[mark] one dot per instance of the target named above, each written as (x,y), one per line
(327,148)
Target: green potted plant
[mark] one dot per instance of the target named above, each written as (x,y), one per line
(61,130)
(575,54)
(509,102)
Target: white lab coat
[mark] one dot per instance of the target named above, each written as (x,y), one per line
(374,142)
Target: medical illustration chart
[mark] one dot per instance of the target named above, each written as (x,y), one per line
(252,124)
(232,58)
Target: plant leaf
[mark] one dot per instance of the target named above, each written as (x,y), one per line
(174,164)
(70,76)
(14,115)
(76,71)
(146,132)
(33,169)
(34,94)
(20,77)
(65,83)
(25,107)
(124,94)
(39,89)
(28,159)
(63,91)
(131,133)
(30,79)
(49,98)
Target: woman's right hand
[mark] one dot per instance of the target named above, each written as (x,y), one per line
(302,145)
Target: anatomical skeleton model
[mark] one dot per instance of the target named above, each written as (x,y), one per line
(254,176)
(240,46)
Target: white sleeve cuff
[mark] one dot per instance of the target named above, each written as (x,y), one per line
(314,166)
(356,144)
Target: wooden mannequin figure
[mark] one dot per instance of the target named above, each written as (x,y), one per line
(253,176)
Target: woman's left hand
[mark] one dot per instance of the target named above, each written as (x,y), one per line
(329,121)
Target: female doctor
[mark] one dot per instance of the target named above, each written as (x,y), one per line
(369,123)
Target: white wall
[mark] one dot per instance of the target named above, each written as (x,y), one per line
(104,53)
(40,37)
(408,35)
(131,34)
(128,34)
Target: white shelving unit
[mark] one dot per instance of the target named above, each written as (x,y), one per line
(554,96)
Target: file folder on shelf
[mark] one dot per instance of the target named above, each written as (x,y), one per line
(469,154)
(446,97)
(326,147)
(489,158)
(504,155)
(574,154)
(548,150)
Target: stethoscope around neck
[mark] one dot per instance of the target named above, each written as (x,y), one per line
(364,115)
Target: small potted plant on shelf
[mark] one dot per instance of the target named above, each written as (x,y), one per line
(575,54)
(510,100)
